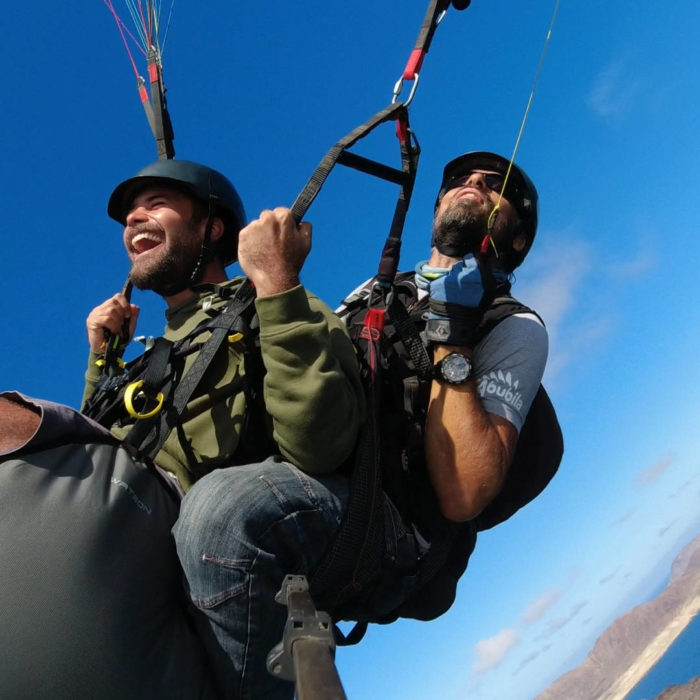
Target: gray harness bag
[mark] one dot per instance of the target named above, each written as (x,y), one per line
(91,597)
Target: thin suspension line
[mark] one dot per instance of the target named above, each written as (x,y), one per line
(167,26)
(123,31)
(492,217)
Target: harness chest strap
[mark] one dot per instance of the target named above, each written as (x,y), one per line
(152,433)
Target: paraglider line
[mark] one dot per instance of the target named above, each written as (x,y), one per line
(122,28)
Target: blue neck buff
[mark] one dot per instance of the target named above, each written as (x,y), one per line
(425,274)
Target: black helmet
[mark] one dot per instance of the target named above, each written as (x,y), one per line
(194,179)
(520,192)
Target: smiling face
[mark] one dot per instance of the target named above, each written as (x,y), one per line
(163,238)
(462,216)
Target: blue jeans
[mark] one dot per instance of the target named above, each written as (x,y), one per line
(240,531)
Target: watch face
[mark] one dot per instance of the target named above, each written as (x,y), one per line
(455,368)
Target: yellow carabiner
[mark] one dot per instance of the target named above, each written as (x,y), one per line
(131,390)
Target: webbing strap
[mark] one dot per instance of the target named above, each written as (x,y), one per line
(411,339)
(157,366)
(354,557)
(153,382)
(161,425)
(337,154)
(389,259)
(159,118)
(425,37)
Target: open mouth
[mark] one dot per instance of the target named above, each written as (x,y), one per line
(145,242)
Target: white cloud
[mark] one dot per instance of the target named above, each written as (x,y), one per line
(615,90)
(637,267)
(541,605)
(553,289)
(565,348)
(569,285)
(557,272)
(491,652)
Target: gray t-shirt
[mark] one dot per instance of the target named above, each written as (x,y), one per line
(508,363)
(508,366)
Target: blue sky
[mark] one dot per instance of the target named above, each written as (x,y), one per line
(261,91)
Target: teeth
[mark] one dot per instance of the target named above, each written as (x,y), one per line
(150,239)
(145,237)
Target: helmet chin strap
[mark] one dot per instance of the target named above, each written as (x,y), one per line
(206,252)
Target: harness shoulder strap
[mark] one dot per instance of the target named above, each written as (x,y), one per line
(150,435)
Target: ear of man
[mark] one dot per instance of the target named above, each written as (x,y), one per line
(519,242)
(217,229)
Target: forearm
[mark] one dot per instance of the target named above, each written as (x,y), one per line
(312,387)
(468,450)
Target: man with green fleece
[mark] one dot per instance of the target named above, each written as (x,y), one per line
(261,435)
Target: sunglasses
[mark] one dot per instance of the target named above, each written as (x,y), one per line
(493,181)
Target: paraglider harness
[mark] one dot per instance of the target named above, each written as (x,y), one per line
(389,483)
(388,479)
(154,390)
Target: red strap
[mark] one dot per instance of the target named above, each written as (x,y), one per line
(402,131)
(371,332)
(373,324)
(414,64)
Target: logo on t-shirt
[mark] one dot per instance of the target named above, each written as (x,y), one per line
(503,386)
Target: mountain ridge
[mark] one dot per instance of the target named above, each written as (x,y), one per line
(626,651)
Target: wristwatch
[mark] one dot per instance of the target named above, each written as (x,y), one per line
(454,368)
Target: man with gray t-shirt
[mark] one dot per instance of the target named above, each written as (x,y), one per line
(485,375)
(454,363)
(484,225)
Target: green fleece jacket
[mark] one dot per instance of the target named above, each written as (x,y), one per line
(312,390)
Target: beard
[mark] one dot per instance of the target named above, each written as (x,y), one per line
(171,266)
(460,229)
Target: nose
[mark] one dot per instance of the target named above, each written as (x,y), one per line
(477,180)
(135,215)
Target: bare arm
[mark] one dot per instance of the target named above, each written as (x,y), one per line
(18,423)
(468,450)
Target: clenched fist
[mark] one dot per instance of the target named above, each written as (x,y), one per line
(110,316)
(272,250)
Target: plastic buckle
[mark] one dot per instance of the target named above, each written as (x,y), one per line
(133,390)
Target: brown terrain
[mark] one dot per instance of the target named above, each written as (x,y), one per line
(688,691)
(629,648)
